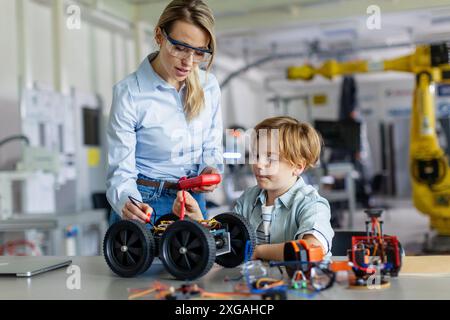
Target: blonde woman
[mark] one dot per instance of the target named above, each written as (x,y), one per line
(165,121)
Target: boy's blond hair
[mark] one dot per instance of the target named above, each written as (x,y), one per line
(299,142)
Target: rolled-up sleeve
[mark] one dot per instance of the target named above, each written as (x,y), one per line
(314,219)
(212,155)
(121,136)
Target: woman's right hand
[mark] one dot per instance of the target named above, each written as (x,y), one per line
(132,212)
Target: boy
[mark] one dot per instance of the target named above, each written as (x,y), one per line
(282,207)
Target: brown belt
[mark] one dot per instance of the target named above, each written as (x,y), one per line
(156,184)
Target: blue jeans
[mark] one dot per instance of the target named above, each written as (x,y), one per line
(160,199)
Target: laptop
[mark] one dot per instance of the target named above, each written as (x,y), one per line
(25,267)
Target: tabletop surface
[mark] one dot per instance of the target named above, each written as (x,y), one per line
(97,282)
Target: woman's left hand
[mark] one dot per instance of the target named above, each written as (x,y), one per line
(206,189)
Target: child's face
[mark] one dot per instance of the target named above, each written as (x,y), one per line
(272,172)
(273,175)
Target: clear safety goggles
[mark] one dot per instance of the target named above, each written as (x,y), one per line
(184,51)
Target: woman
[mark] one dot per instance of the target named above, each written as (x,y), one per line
(166,120)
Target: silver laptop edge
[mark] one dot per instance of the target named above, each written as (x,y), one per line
(44,269)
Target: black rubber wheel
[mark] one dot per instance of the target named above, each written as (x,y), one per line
(167,217)
(129,248)
(187,249)
(240,232)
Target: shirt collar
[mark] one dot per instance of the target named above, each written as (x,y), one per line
(286,199)
(147,77)
(261,197)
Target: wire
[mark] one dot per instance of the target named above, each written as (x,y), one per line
(375,250)
(141,294)
(264,285)
(136,202)
(270,283)
(162,291)
(207,294)
(154,216)
(273,285)
(12,138)
(157,286)
(211,224)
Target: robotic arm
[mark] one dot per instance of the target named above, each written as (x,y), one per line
(429,167)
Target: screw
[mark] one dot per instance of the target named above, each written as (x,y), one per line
(183,250)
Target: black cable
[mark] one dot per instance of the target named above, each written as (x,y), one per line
(13,138)
(154,217)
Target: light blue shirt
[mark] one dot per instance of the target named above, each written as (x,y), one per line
(298,212)
(149,134)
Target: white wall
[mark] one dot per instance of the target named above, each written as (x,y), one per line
(104,67)
(38,20)
(131,63)
(243,98)
(8,83)
(94,58)
(77,57)
(8,56)
(92,62)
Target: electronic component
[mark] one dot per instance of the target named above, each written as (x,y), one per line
(187,248)
(375,254)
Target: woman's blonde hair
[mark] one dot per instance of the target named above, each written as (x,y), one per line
(299,142)
(198,13)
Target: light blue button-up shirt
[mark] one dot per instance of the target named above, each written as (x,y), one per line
(148,133)
(300,211)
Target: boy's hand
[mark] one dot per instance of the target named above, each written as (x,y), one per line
(193,210)
(313,241)
(276,251)
(255,255)
(207,170)
(141,214)
(269,252)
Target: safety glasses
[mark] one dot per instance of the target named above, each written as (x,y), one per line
(184,51)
